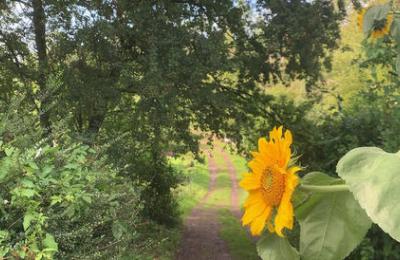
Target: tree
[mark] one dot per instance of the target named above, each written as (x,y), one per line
(152,71)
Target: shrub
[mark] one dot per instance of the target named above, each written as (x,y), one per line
(62,201)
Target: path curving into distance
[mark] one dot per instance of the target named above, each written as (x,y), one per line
(200,239)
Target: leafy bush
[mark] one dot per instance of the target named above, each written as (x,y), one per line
(154,174)
(61,201)
(160,203)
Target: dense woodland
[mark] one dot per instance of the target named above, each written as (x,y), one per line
(96,96)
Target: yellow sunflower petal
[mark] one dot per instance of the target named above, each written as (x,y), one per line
(292,179)
(270,154)
(288,138)
(252,212)
(254,197)
(258,224)
(250,182)
(294,169)
(280,131)
(262,145)
(256,165)
(284,216)
(285,154)
(280,146)
(276,134)
(260,161)
(255,154)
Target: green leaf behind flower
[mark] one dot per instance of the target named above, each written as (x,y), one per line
(328,229)
(273,247)
(373,14)
(373,176)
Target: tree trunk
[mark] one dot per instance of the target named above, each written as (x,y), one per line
(39,26)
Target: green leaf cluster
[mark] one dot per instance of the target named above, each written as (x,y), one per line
(60,202)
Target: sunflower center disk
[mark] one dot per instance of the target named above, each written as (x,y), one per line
(380,25)
(273,186)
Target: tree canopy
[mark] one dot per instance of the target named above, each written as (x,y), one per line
(161,66)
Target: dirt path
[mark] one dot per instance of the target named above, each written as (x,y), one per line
(200,236)
(235,207)
(235,204)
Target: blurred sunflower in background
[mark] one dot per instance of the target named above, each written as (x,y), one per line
(270,185)
(380,28)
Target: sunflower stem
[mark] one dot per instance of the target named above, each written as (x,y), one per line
(324,188)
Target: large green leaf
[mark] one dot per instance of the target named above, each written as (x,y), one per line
(328,229)
(308,199)
(374,13)
(373,176)
(118,229)
(50,243)
(273,247)
(7,165)
(29,216)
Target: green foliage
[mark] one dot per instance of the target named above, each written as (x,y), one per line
(327,226)
(304,49)
(345,79)
(375,192)
(62,201)
(273,247)
(160,204)
(238,241)
(145,164)
(194,184)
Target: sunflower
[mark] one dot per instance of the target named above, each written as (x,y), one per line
(382,28)
(270,185)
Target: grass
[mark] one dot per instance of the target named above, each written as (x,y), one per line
(238,241)
(222,194)
(158,242)
(195,185)
(240,165)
